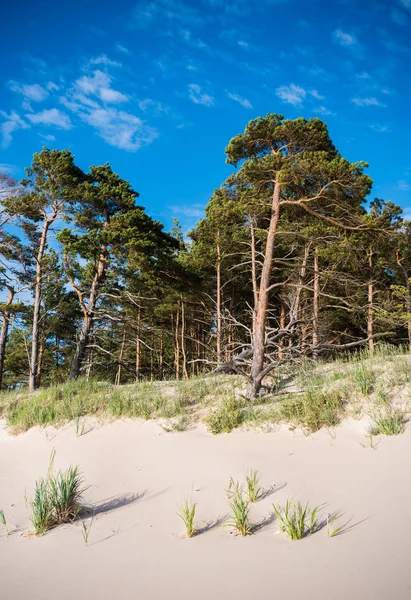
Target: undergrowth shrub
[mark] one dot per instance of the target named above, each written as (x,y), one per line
(230,413)
(390,423)
(57,498)
(313,409)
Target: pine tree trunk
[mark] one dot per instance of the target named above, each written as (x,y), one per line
(259,327)
(87,319)
(253,266)
(370,315)
(183,339)
(138,346)
(282,325)
(4,333)
(161,356)
(42,343)
(177,345)
(218,298)
(316,300)
(118,374)
(37,304)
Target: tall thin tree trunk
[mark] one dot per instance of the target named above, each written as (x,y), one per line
(118,374)
(161,356)
(138,346)
(282,325)
(253,265)
(177,345)
(88,312)
(316,300)
(4,332)
(218,297)
(183,339)
(42,343)
(370,315)
(259,328)
(37,303)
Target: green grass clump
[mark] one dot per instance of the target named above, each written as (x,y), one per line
(364,378)
(3,521)
(57,498)
(41,508)
(74,400)
(240,510)
(296,521)
(253,489)
(65,493)
(232,412)
(187,513)
(313,409)
(391,423)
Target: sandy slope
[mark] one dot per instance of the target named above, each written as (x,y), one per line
(139,473)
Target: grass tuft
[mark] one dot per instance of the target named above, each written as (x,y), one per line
(187,513)
(240,510)
(253,489)
(391,423)
(57,498)
(296,521)
(4,521)
(364,378)
(314,409)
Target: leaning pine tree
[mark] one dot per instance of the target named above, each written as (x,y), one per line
(292,163)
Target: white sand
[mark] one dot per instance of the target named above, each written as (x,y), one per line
(136,551)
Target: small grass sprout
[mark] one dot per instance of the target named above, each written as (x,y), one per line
(331,530)
(4,521)
(253,489)
(364,378)
(391,423)
(296,521)
(240,511)
(187,513)
(86,528)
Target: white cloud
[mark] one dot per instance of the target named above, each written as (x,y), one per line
(119,128)
(343,38)
(370,101)
(52,86)
(48,137)
(12,123)
(122,49)
(7,168)
(316,95)
(195,210)
(243,44)
(379,128)
(398,17)
(99,85)
(403,185)
(195,95)
(243,101)
(322,110)
(113,96)
(291,94)
(34,91)
(153,105)
(363,75)
(51,116)
(104,60)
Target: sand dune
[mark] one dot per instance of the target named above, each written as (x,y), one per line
(139,474)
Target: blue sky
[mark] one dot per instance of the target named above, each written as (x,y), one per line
(158,88)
